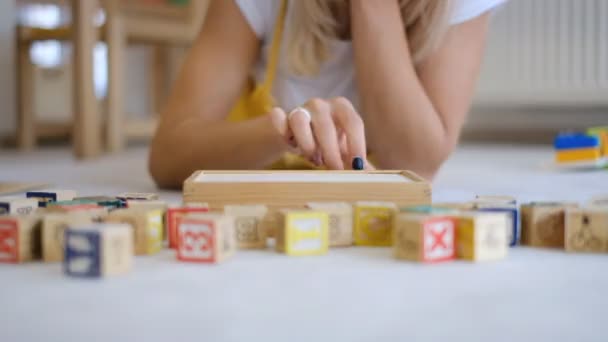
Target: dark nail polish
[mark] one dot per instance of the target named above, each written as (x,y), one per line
(357,163)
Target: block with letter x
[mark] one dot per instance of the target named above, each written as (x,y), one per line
(424,237)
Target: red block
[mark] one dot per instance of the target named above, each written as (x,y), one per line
(173,214)
(9,241)
(196,239)
(439,239)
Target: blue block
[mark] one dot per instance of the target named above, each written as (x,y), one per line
(82,253)
(44,197)
(516,231)
(4,208)
(575,140)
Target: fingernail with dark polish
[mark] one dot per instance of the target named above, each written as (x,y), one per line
(357,163)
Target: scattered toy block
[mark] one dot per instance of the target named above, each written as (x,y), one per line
(578,154)
(172,216)
(137,196)
(44,197)
(54,226)
(502,204)
(19,238)
(108,202)
(205,238)
(96,212)
(565,141)
(98,250)
(248,228)
(17,205)
(150,204)
(602,134)
(429,209)
(586,230)
(427,238)
(542,224)
(482,236)
(374,223)
(340,221)
(272,222)
(304,232)
(147,228)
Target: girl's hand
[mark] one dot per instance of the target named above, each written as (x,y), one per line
(326,132)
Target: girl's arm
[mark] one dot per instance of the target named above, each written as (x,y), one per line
(192,133)
(413,116)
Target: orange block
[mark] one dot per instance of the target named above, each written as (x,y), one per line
(578,154)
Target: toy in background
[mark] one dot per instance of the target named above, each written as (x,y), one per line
(207,238)
(582,149)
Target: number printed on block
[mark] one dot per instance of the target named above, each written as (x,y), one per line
(196,240)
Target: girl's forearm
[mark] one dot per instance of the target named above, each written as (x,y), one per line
(402,123)
(196,144)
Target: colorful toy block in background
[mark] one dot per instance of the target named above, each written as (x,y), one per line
(247,224)
(303,232)
(17,205)
(98,250)
(45,197)
(205,238)
(172,216)
(581,148)
(19,238)
(374,223)
(423,237)
(482,236)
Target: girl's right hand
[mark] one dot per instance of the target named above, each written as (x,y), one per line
(328,133)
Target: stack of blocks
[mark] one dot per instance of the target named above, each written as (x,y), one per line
(589,148)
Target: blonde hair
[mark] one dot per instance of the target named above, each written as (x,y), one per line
(313,26)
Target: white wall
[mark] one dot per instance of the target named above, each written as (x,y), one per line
(8,120)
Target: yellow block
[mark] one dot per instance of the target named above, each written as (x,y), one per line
(465,237)
(578,154)
(154,231)
(306,233)
(374,223)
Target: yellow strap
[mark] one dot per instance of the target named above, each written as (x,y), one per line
(275,48)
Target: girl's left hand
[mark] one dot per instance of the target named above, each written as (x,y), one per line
(328,133)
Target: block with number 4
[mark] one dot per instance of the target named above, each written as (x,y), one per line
(98,250)
(147,226)
(17,205)
(19,238)
(374,223)
(424,237)
(482,236)
(304,232)
(340,221)
(248,227)
(205,238)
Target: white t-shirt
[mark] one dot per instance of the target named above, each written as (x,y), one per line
(336,77)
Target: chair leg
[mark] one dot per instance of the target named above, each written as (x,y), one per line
(87,129)
(26,129)
(160,78)
(115,137)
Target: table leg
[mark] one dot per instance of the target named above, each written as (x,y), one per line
(115,35)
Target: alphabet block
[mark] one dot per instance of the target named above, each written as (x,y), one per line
(424,238)
(542,224)
(147,228)
(374,223)
(19,238)
(248,228)
(205,238)
(44,197)
(96,212)
(17,205)
(110,203)
(98,250)
(340,221)
(304,232)
(482,236)
(503,204)
(172,216)
(587,230)
(54,226)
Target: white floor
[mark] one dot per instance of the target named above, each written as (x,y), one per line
(353,294)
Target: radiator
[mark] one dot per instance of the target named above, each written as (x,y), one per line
(547,52)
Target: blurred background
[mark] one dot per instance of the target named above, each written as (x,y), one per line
(546,70)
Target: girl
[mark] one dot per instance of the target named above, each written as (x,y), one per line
(391,80)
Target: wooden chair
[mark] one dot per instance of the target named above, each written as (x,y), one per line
(127,22)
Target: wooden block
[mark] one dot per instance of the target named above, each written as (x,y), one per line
(482,236)
(503,204)
(104,201)
(454,205)
(149,204)
(304,232)
(17,205)
(374,223)
(172,216)
(282,189)
(45,197)
(205,238)
(542,224)
(54,226)
(587,230)
(248,227)
(425,238)
(495,199)
(96,212)
(147,228)
(138,196)
(340,221)
(19,238)
(98,250)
